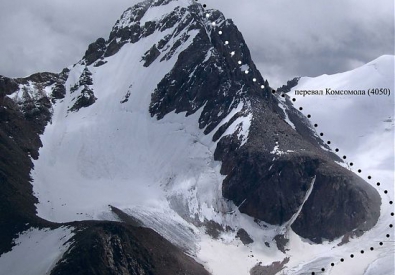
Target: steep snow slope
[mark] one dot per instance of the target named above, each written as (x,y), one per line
(355,121)
(36,251)
(114,153)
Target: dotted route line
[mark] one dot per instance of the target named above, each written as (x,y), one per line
(387,236)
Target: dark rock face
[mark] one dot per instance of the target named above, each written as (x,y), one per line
(95,51)
(354,208)
(7,86)
(59,90)
(85,99)
(280,185)
(274,185)
(272,269)
(281,243)
(129,30)
(150,56)
(244,237)
(115,248)
(86,96)
(205,74)
(290,84)
(21,123)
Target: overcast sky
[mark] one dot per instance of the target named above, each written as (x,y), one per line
(286,38)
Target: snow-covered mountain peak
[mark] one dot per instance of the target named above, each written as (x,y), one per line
(156,97)
(166,124)
(164,19)
(170,113)
(150,10)
(385,65)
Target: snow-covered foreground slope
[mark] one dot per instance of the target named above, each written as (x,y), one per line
(362,128)
(36,251)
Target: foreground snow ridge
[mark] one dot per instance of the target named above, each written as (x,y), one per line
(36,251)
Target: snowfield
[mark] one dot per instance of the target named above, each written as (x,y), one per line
(36,251)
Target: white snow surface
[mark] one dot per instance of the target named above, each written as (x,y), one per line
(156,13)
(36,251)
(112,153)
(163,171)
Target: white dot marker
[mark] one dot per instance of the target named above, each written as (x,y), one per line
(213,24)
(232,53)
(226,42)
(254,79)
(246,71)
(207,15)
(262,86)
(220,32)
(239,62)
